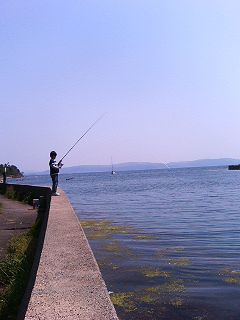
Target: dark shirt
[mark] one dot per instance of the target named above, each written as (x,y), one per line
(54,168)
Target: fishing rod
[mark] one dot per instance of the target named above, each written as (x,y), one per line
(166,165)
(81,138)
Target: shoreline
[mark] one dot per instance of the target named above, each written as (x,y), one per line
(68,284)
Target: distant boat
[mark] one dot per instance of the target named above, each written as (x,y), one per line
(234,167)
(113,172)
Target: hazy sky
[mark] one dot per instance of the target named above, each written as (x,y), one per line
(167,74)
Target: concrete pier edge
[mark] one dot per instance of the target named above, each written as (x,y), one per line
(68,283)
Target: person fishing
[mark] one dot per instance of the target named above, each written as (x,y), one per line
(54,170)
(54,166)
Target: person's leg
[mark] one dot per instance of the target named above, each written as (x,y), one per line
(54,182)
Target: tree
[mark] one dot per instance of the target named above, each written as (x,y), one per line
(11,171)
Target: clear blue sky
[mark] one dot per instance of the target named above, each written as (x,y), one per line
(167,74)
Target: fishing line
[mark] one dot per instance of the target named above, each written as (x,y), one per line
(81,137)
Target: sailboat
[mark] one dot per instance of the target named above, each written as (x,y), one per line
(113,172)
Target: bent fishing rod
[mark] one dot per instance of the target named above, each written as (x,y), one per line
(81,138)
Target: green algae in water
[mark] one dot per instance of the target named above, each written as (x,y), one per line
(151,273)
(115,247)
(167,252)
(177,303)
(182,262)
(230,276)
(166,294)
(229,271)
(90,224)
(145,237)
(232,280)
(171,287)
(156,273)
(107,263)
(124,300)
(179,249)
(162,293)
(104,229)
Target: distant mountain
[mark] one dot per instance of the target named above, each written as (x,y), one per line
(127,166)
(132,166)
(204,163)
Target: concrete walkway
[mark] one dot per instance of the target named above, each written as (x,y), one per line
(69,284)
(15,218)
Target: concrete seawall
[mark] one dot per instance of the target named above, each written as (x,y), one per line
(68,282)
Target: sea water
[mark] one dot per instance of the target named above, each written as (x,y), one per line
(167,241)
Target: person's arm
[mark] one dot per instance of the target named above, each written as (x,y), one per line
(60,164)
(55,166)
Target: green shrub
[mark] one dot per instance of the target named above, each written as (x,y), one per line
(15,270)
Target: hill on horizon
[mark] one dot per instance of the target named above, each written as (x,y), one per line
(132,166)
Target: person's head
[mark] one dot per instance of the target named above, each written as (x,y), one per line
(53,154)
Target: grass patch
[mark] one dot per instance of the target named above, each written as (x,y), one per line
(15,270)
(23,196)
(11,194)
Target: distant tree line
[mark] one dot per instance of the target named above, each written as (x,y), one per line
(11,171)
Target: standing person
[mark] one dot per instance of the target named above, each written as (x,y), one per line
(54,170)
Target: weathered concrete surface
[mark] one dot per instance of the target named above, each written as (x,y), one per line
(15,218)
(69,284)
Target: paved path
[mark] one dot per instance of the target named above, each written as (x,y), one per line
(15,218)
(69,284)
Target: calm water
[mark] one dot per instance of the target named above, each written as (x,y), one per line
(180,258)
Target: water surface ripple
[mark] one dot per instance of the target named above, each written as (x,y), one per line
(186,224)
